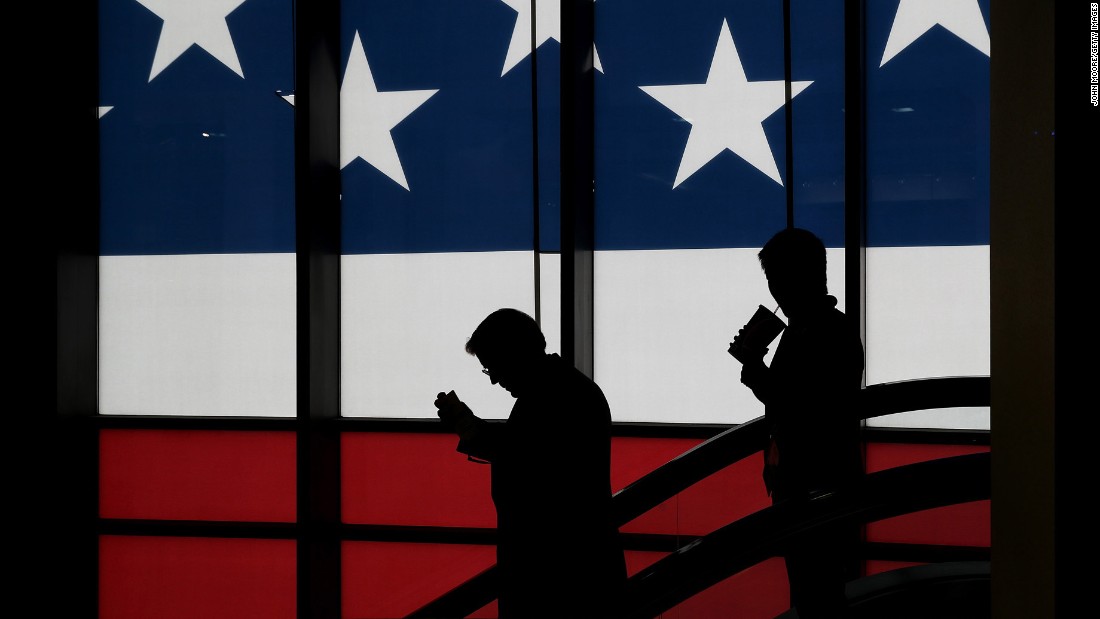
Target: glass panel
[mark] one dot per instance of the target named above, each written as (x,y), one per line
(967,524)
(730,494)
(550,299)
(183,578)
(405,322)
(419,479)
(197,302)
(386,580)
(928,196)
(412,480)
(737,491)
(690,136)
(721,498)
(664,322)
(818,120)
(633,457)
(957,418)
(880,456)
(190,475)
(759,592)
(439,190)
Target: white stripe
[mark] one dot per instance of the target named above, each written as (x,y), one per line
(664,321)
(928,316)
(215,334)
(197,335)
(550,301)
(406,319)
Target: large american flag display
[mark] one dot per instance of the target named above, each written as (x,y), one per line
(450,195)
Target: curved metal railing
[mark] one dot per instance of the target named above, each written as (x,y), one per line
(763,534)
(716,454)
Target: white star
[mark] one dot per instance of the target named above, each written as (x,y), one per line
(725,112)
(196,22)
(915,17)
(367,116)
(547,26)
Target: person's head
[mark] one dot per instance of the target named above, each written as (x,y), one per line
(509,344)
(794,262)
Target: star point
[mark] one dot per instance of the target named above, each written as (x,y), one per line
(547,26)
(916,17)
(199,22)
(367,116)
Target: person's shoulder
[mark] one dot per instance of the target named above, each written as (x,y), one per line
(577,384)
(578,377)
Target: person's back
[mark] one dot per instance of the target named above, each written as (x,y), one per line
(818,370)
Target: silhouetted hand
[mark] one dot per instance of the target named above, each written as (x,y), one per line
(741,351)
(454,412)
(753,373)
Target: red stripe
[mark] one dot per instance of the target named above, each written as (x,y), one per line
(412,479)
(386,580)
(184,578)
(197,475)
(967,524)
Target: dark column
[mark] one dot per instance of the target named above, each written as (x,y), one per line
(317,172)
(855,164)
(577,181)
(1022,311)
(58,210)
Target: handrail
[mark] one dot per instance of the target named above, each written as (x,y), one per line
(749,540)
(945,590)
(719,452)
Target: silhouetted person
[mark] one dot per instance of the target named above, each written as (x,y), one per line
(558,549)
(809,394)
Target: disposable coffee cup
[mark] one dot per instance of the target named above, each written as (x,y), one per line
(757,334)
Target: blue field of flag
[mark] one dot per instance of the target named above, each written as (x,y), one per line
(450,188)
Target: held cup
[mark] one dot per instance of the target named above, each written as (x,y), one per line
(757,335)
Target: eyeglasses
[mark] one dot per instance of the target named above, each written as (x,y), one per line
(491,367)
